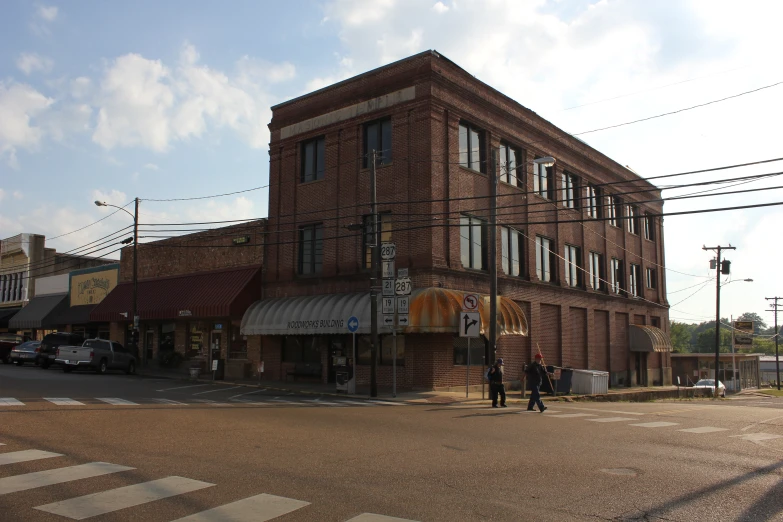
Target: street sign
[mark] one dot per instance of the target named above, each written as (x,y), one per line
(469,324)
(470,302)
(353,324)
(403,304)
(402,272)
(743,333)
(387,306)
(388,320)
(387,269)
(402,319)
(214,365)
(388,287)
(388,251)
(403,286)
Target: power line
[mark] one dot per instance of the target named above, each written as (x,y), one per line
(208,197)
(91,224)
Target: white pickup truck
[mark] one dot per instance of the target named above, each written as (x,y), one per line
(96,354)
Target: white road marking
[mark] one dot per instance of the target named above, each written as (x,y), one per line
(360,403)
(116,402)
(758,437)
(603,411)
(25,456)
(169,401)
(249,393)
(319,401)
(703,429)
(211,403)
(372,517)
(96,504)
(287,402)
(655,424)
(8,401)
(184,387)
(610,419)
(218,390)
(49,477)
(63,401)
(259,508)
(571,415)
(388,403)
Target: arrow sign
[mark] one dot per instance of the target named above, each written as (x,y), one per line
(402,319)
(353,324)
(470,324)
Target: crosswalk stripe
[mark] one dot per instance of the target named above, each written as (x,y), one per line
(114,401)
(360,403)
(25,456)
(704,429)
(169,401)
(610,419)
(211,403)
(372,517)
(9,401)
(326,403)
(388,403)
(655,424)
(570,415)
(259,508)
(50,477)
(757,437)
(104,502)
(63,401)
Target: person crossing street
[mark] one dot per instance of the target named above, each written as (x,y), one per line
(496,386)
(536,373)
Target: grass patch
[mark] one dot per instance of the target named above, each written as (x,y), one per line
(774,392)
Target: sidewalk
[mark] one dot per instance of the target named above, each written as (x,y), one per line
(638,394)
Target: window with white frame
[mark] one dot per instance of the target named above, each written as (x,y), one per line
(512,244)
(649,230)
(651,278)
(471,150)
(616,275)
(543,180)
(570,190)
(596,267)
(544,259)
(510,171)
(634,280)
(613,206)
(573,274)
(472,242)
(592,201)
(631,215)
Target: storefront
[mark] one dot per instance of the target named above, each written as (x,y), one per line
(312,330)
(5,316)
(87,288)
(39,317)
(186,321)
(736,371)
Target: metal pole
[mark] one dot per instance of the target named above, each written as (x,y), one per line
(483,369)
(493,247)
(777,334)
(355,369)
(394,363)
(733,360)
(467,376)
(717,322)
(134,313)
(375,251)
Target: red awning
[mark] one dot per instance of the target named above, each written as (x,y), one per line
(223,293)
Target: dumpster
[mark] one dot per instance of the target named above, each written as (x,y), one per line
(590,382)
(563,384)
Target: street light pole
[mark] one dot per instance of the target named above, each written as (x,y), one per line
(375,252)
(718,271)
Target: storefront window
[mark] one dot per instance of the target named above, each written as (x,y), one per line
(461,351)
(166,337)
(195,340)
(303,348)
(238,343)
(364,352)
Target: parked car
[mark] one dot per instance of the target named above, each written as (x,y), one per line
(8,342)
(710,383)
(27,352)
(51,342)
(96,354)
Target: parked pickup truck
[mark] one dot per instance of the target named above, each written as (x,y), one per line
(96,354)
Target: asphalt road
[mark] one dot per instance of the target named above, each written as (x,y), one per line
(179,449)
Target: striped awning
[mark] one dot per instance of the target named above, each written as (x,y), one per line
(649,339)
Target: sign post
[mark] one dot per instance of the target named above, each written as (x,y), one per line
(402,288)
(470,326)
(353,326)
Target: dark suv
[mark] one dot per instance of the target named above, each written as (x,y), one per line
(51,342)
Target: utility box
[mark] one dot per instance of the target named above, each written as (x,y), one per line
(590,382)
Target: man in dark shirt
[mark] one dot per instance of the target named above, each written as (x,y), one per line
(496,385)
(536,373)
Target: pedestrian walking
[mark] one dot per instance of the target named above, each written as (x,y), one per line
(496,386)
(536,373)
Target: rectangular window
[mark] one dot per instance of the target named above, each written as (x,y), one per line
(613,206)
(573,274)
(543,180)
(592,199)
(597,276)
(471,149)
(311,248)
(512,242)
(472,241)
(651,278)
(631,219)
(570,190)
(544,259)
(509,162)
(378,138)
(367,237)
(616,275)
(313,160)
(302,349)
(634,280)
(461,351)
(649,230)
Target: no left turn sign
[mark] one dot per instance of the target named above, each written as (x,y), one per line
(470,302)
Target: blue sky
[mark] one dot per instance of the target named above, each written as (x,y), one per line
(110,100)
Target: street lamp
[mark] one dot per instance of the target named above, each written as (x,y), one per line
(134,311)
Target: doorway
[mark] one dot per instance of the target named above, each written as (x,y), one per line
(641,368)
(336,349)
(149,339)
(214,344)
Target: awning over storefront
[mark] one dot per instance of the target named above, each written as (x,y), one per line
(223,293)
(75,315)
(432,310)
(6,314)
(40,312)
(649,339)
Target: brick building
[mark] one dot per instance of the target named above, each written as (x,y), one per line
(192,293)
(579,263)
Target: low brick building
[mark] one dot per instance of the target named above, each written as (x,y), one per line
(580,249)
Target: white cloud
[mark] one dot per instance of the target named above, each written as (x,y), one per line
(81,87)
(32,62)
(221,210)
(19,106)
(48,13)
(2,194)
(67,120)
(113,197)
(151,166)
(18,194)
(440,7)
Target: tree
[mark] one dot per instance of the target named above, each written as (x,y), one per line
(681,337)
(758,323)
(705,341)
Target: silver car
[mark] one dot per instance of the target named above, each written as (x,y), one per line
(710,383)
(27,352)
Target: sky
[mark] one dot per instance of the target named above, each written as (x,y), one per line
(115,100)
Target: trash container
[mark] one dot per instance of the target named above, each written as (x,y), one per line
(590,382)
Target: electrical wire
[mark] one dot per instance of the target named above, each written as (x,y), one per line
(91,224)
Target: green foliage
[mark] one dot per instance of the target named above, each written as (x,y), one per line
(705,340)
(759,324)
(681,335)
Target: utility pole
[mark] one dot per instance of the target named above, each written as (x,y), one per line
(777,334)
(375,252)
(493,254)
(718,270)
(135,311)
